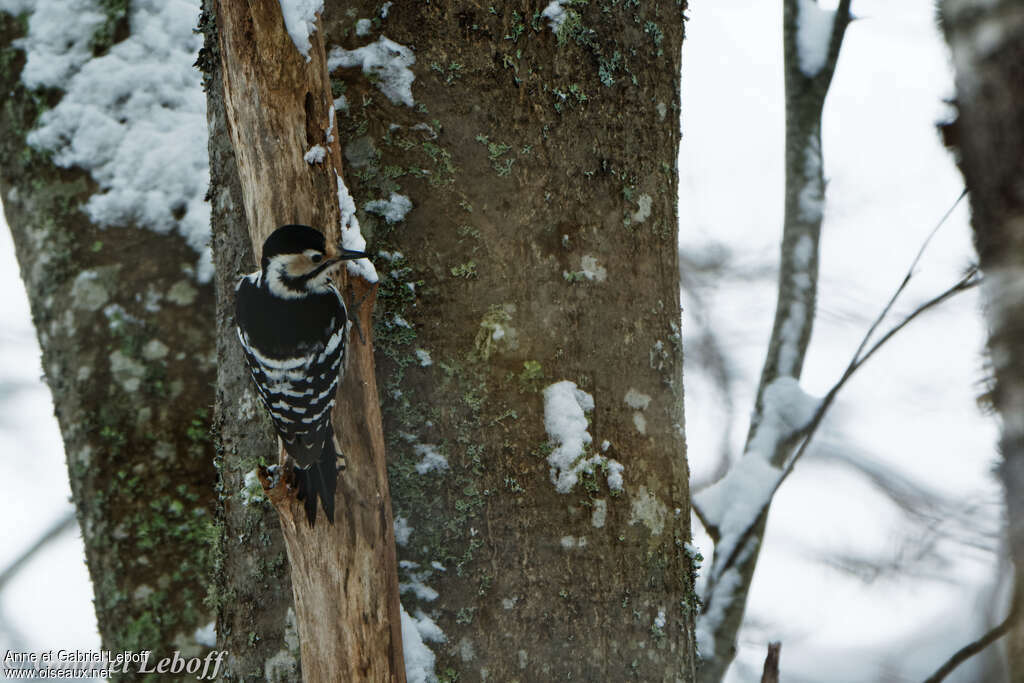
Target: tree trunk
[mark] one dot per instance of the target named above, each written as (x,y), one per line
(541,247)
(344,576)
(127,344)
(255,611)
(987,41)
(539,156)
(808,75)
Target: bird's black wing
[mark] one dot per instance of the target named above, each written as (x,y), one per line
(294,352)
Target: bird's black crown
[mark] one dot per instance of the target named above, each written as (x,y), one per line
(292,239)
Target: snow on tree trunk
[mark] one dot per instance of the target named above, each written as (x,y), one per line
(517,187)
(735,510)
(275,87)
(110,228)
(527,331)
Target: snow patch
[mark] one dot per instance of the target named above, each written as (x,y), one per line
(813,34)
(796,314)
(300,21)
(351,237)
(615,469)
(424,358)
(252,488)
(419,659)
(565,408)
(387,61)
(415,584)
(733,503)
(363,27)
(207,635)
(134,118)
(555,14)
(315,155)
(591,270)
(393,209)
(812,194)
(717,603)
(402,530)
(431,459)
(55,47)
(787,409)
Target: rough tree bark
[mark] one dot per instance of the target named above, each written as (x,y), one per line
(252,582)
(278,105)
(987,42)
(128,355)
(540,159)
(541,247)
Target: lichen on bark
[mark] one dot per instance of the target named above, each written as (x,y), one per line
(129,369)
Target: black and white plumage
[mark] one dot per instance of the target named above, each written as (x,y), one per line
(292,323)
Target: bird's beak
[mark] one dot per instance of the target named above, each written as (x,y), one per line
(336,252)
(350,254)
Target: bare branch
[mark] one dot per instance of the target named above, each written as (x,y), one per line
(56,529)
(908,276)
(973,648)
(839,24)
(771,664)
(742,548)
(970,280)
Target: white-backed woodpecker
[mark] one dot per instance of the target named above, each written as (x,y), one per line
(293,325)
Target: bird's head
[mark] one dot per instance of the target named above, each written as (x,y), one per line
(297,261)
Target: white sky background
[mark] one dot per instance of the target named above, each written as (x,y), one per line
(911,408)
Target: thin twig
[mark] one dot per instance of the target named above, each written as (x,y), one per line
(969,280)
(971,649)
(907,277)
(56,529)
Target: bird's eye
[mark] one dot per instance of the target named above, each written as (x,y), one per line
(317,258)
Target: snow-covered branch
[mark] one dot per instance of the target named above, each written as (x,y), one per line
(784,418)
(729,507)
(734,509)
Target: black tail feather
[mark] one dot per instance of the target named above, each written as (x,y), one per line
(319,481)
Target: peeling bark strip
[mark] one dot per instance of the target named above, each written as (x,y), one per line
(344,577)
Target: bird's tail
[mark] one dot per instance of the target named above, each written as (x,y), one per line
(319,480)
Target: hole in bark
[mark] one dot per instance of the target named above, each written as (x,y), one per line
(313,134)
